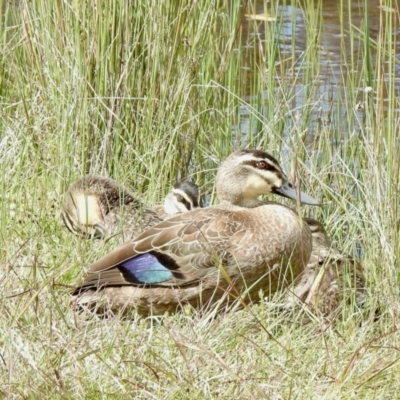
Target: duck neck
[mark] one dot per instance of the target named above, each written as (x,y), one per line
(242,202)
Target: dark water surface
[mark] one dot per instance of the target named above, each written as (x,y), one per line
(335,33)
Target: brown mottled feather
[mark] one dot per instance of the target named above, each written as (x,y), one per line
(198,252)
(99,206)
(330,277)
(222,252)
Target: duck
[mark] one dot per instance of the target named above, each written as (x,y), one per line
(330,278)
(97,206)
(207,256)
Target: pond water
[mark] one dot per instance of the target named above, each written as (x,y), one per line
(340,51)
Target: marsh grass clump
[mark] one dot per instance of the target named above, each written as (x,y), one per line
(150,92)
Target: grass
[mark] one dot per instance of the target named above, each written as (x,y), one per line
(151,92)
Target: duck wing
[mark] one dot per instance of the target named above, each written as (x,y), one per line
(178,251)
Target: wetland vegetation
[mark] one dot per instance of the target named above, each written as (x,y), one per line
(148,92)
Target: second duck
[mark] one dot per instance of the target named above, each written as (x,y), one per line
(97,206)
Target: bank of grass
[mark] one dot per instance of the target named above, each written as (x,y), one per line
(158,91)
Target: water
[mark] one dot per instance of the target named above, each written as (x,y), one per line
(339,73)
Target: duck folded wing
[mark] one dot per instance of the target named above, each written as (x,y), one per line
(176,252)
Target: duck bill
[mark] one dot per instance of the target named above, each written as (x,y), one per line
(287,190)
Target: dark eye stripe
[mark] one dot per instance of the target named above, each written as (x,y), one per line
(259,154)
(269,167)
(195,203)
(182,200)
(191,191)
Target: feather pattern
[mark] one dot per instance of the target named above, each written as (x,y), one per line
(147,268)
(99,206)
(330,277)
(191,249)
(218,253)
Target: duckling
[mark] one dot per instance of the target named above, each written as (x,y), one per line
(97,206)
(330,278)
(209,255)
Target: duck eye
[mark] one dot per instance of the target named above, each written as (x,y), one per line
(262,165)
